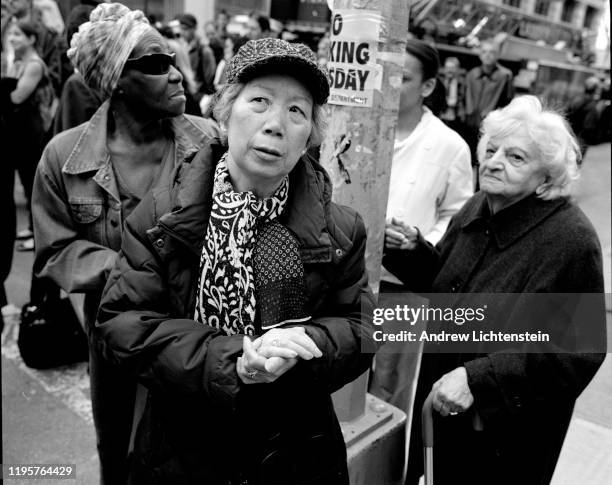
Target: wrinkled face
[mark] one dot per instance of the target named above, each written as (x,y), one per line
(488,54)
(19,40)
(267,131)
(157,95)
(414,88)
(511,169)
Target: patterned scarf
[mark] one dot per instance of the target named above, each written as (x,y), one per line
(226,290)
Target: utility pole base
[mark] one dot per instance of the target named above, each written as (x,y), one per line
(375,444)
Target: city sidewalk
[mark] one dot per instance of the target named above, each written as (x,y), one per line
(46,415)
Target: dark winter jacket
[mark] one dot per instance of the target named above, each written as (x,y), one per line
(201,424)
(547,255)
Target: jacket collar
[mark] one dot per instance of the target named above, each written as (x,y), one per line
(495,73)
(512,222)
(90,152)
(305,214)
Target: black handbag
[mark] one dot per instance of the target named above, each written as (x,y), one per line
(50,334)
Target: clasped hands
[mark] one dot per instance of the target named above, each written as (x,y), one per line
(399,235)
(268,357)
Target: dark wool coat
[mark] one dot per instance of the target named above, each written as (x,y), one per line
(524,399)
(201,425)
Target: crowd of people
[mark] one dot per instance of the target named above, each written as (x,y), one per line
(170,178)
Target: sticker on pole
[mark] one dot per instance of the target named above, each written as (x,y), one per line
(353,71)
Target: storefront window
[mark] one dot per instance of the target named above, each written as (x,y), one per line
(590,17)
(567,14)
(541,7)
(513,3)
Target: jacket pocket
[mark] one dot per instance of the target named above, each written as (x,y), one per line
(87,214)
(85,210)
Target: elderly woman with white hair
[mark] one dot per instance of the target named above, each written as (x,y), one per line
(522,248)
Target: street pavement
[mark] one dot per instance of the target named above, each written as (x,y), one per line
(46,415)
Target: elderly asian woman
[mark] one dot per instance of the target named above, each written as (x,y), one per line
(240,298)
(520,236)
(91,177)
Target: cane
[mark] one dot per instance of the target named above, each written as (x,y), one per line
(428,435)
(428,438)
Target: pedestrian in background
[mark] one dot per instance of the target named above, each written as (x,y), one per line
(522,248)
(454,81)
(78,102)
(232,45)
(487,87)
(25,126)
(215,43)
(258,27)
(91,177)
(582,113)
(201,56)
(183,64)
(240,299)
(48,44)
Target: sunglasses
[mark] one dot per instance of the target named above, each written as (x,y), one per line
(153,64)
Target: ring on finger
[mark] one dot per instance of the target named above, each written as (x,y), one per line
(251,374)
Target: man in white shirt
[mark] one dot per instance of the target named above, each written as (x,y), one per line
(431,174)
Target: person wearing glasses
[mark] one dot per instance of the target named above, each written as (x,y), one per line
(240,298)
(91,177)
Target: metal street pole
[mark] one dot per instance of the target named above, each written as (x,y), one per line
(358,148)
(366,58)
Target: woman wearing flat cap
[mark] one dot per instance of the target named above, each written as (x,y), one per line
(524,254)
(91,177)
(240,298)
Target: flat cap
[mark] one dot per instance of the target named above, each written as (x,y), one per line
(275,56)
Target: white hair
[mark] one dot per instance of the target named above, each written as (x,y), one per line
(553,140)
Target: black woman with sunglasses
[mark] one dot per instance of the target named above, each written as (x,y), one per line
(91,177)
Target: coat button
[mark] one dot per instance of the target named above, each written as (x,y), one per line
(107,177)
(159,243)
(487,232)
(339,253)
(114,222)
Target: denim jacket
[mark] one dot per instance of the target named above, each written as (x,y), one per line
(76,207)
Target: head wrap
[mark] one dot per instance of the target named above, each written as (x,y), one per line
(427,56)
(101,46)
